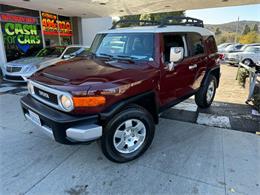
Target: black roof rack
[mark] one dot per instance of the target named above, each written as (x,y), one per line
(168,21)
(181,20)
(138,22)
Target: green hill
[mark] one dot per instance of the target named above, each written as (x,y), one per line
(231,26)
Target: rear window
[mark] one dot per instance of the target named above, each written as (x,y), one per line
(212,47)
(195,44)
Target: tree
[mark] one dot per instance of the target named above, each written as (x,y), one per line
(145,17)
(251,37)
(246,29)
(152,16)
(255,28)
(218,31)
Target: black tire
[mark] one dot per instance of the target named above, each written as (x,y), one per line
(248,62)
(107,140)
(201,95)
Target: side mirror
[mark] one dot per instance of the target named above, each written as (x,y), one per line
(176,54)
(69,56)
(66,57)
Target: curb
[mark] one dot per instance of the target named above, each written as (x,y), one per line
(189,112)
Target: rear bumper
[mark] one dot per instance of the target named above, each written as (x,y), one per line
(62,127)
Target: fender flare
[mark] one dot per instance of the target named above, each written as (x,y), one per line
(112,110)
(211,72)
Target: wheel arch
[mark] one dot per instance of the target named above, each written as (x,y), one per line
(146,100)
(213,71)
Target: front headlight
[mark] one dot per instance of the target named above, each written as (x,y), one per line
(30,88)
(66,102)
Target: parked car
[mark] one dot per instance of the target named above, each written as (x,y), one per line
(116,95)
(233,48)
(249,56)
(248,45)
(19,70)
(222,46)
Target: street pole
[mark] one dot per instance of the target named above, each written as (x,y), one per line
(237,30)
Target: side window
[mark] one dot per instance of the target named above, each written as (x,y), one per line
(195,44)
(74,51)
(211,44)
(172,40)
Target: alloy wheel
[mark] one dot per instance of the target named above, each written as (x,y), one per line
(129,136)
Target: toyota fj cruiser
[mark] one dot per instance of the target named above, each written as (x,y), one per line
(116,92)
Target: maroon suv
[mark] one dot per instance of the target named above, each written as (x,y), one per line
(115,92)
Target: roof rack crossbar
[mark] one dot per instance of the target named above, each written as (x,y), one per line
(139,22)
(181,20)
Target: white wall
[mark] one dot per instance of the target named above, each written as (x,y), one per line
(2,49)
(90,26)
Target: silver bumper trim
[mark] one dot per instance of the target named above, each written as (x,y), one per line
(81,133)
(84,133)
(44,129)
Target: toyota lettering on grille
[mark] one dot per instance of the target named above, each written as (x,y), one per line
(41,93)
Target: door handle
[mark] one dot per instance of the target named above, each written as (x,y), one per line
(191,67)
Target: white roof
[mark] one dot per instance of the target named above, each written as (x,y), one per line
(156,29)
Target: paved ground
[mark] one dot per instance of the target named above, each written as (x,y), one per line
(229,90)
(185,158)
(228,109)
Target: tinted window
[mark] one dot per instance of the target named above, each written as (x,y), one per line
(212,47)
(195,44)
(135,45)
(50,52)
(171,40)
(74,51)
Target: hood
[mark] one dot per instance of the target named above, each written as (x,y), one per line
(85,71)
(30,61)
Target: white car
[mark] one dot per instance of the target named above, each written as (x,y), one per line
(19,70)
(249,56)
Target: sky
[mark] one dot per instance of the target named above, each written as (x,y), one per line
(226,14)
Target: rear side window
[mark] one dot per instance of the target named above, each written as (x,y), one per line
(195,44)
(211,44)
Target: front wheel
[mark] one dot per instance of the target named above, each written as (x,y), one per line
(128,135)
(204,97)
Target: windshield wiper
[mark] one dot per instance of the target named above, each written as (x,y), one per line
(105,55)
(129,58)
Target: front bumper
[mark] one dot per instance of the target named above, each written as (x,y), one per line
(62,127)
(16,76)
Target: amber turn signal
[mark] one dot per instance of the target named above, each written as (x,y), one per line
(89,101)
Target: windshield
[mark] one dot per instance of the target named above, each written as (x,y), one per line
(50,52)
(137,46)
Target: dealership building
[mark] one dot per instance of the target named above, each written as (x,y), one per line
(24,31)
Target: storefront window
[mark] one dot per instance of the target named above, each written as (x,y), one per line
(57,29)
(21,32)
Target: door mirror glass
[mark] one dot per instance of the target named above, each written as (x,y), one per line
(176,54)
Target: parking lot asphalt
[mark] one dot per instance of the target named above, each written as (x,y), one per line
(184,158)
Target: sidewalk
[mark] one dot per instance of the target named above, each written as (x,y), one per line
(184,158)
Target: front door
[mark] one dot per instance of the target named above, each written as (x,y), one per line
(178,82)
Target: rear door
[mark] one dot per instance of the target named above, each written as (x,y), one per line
(197,60)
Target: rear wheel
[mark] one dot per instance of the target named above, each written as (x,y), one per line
(248,62)
(205,96)
(128,135)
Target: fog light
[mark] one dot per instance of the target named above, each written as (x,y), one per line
(66,102)
(30,88)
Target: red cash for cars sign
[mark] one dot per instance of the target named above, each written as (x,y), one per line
(53,24)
